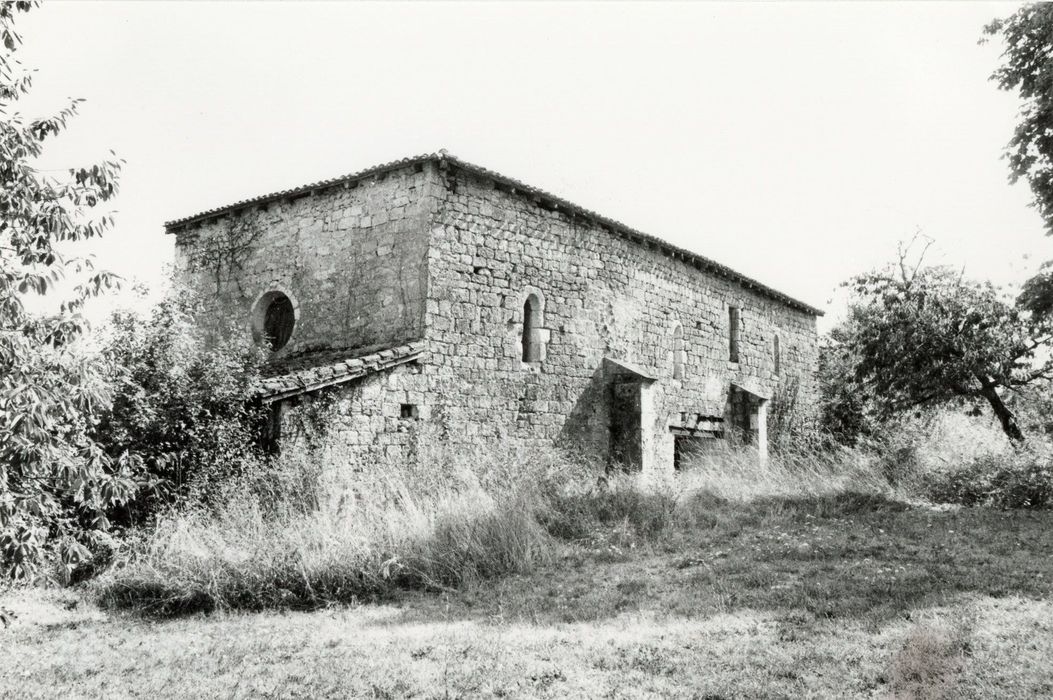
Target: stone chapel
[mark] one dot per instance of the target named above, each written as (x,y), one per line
(430,298)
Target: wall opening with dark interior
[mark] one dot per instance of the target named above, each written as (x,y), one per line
(274,319)
(690,445)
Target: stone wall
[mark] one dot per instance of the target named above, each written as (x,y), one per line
(359,432)
(602,295)
(441,252)
(351,257)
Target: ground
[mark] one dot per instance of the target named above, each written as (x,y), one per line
(842,596)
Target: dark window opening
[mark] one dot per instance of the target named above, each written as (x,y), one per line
(278,321)
(532,329)
(734,322)
(776,353)
(687,449)
(409,411)
(271,429)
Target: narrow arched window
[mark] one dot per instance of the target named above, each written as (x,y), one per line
(532,329)
(734,323)
(776,354)
(678,352)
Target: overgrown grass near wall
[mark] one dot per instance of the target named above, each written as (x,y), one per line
(285,538)
(291,535)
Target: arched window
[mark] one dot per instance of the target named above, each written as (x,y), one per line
(274,319)
(678,352)
(734,323)
(776,354)
(532,322)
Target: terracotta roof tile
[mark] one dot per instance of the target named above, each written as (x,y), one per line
(306,377)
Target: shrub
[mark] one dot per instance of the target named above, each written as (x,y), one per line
(1021,479)
(180,411)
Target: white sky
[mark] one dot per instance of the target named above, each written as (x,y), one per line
(796,143)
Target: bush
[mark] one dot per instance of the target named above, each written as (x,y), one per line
(1022,479)
(180,411)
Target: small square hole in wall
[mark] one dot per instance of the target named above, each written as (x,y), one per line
(409,411)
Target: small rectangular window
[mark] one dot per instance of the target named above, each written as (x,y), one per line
(734,323)
(776,353)
(409,411)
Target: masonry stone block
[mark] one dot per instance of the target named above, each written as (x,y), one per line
(441,252)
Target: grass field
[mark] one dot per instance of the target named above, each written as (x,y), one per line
(846,595)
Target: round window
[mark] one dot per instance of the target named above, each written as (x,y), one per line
(274,318)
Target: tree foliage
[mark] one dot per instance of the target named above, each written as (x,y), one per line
(54,480)
(923,336)
(181,407)
(1027,67)
(845,403)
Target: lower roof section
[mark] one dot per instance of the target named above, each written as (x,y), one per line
(305,379)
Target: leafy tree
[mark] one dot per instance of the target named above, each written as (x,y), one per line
(1027,68)
(1028,37)
(923,336)
(54,480)
(845,402)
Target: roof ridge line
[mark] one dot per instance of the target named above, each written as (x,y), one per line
(633,232)
(442,155)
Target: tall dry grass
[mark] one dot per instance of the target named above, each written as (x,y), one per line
(292,535)
(733,472)
(467,519)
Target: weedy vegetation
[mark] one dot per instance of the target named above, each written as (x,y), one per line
(530,576)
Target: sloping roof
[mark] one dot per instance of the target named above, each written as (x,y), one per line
(753,386)
(544,198)
(623,368)
(312,378)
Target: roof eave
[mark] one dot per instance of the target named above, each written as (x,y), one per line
(552,201)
